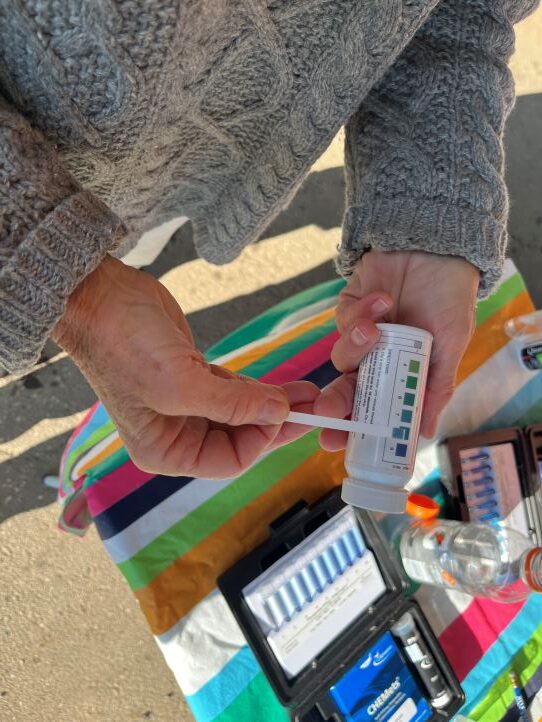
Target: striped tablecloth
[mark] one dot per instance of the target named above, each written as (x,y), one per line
(172,537)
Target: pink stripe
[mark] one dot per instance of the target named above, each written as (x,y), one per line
(115,486)
(470,635)
(303,362)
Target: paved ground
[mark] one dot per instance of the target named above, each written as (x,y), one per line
(73,644)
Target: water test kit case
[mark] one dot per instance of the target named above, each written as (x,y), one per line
(496,476)
(310,659)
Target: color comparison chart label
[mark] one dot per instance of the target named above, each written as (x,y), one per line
(403,407)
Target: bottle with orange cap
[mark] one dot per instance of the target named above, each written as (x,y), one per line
(479,559)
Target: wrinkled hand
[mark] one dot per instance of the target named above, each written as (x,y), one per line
(436,293)
(175,413)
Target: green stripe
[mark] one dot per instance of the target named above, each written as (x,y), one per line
(256,703)
(531,416)
(107,466)
(525,664)
(282,353)
(508,290)
(265,322)
(78,449)
(157,556)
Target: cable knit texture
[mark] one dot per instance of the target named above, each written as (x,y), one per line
(117,116)
(424,152)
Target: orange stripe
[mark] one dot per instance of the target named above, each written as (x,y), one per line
(190,578)
(256,353)
(109,449)
(489,337)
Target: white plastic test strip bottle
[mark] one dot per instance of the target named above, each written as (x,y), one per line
(389,392)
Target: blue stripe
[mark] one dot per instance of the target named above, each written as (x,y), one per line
(220,691)
(496,660)
(323,375)
(119,516)
(523,408)
(98,418)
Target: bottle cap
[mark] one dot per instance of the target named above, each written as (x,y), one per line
(404,626)
(532,566)
(422,507)
(374,496)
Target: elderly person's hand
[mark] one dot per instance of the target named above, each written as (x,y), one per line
(176,414)
(433,292)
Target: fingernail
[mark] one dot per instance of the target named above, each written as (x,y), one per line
(273,412)
(358,337)
(379,307)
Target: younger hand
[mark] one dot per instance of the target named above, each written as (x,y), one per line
(176,414)
(433,292)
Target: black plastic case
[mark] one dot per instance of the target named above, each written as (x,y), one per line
(306,695)
(527,444)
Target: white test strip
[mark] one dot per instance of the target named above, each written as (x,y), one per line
(328,422)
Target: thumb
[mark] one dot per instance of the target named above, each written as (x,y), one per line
(224,397)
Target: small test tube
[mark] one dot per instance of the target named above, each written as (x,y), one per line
(478,469)
(332,562)
(325,568)
(419,654)
(297,592)
(490,516)
(481,481)
(321,574)
(275,612)
(284,595)
(358,540)
(481,494)
(480,456)
(340,554)
(351,546)
(311,581)
(300,581)
(487,504)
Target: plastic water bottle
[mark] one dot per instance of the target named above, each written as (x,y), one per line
(526,326)
(479,559)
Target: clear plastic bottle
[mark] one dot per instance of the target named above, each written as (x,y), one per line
(524,327)
(480,559)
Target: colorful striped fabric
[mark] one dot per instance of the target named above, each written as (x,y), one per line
(172,537)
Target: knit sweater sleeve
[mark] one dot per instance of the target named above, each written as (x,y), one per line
(52,234)
(424,154)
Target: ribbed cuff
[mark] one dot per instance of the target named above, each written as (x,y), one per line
(408,224)
(45,269)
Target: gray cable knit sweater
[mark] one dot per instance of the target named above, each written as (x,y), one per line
(116,116)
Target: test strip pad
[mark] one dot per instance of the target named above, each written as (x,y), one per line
(309,596)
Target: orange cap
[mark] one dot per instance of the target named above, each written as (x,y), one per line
(533,568)
(422,507)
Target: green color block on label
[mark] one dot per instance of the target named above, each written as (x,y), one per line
(409,399)
(412,382)
(406,416)
(414,367)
